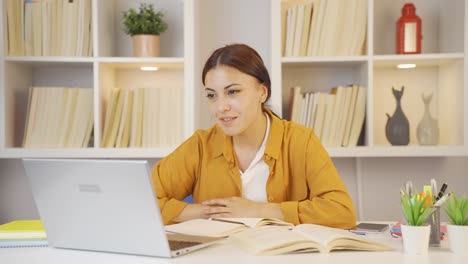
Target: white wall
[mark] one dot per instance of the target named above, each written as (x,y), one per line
(377,179)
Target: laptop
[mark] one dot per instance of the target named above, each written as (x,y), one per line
(103,205)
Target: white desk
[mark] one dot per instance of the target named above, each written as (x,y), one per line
(225,253)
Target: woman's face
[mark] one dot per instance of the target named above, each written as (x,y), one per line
(235,99)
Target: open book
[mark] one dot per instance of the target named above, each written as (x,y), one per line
(222,227)
(272,240)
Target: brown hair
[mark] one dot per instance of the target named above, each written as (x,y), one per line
(241,57)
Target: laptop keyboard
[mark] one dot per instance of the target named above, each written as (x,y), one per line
(176,245)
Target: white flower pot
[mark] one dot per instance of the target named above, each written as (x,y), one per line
(458,239)
(415,239)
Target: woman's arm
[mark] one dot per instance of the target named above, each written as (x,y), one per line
(328,202)
(174,177)
(241,207)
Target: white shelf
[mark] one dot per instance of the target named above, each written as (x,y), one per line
(49,59)
(162,60)
(419,59)
(398,151)
(86,153)
(326,60)
(351,152)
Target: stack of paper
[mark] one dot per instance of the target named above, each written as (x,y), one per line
(23,233)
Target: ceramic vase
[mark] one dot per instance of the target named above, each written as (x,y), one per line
(458,239)
(146,45)
(428,129)
(397,128)
(415,239)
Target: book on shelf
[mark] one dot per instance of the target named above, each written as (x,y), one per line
(313,110)
(310,104)
(296,103)
(137,118)
(111,106)
(58,117)
(321,113)
(337,117)
(14,21)
(222,227)
(291,103)
(306,28)
(347,127)
(329,115)
(273,240)
(115,124)
(342,118)
(48,28)
(328,41)
(305,108)
(23,233)
(358,116)
(298,30)
(133,117)
(123,133)
(323,27)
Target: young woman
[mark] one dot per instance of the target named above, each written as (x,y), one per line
(250,163)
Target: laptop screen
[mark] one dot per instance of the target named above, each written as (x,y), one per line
(103,205)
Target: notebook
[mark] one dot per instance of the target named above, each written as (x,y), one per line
(22,233)
(103,205)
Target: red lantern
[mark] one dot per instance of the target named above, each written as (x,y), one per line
(408,39)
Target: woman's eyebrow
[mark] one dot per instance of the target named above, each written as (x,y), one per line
(227,87)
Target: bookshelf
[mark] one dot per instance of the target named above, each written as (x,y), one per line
(196,28)
(111,65)
(441,68)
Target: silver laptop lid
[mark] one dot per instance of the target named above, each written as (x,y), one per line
(104,205)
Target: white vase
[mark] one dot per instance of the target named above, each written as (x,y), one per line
(458,239)
(428,128)
(415,239)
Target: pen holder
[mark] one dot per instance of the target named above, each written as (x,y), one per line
(434,221)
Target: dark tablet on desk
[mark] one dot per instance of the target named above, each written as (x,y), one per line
(370,227)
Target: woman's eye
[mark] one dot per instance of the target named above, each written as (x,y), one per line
(232,92)
(210,96)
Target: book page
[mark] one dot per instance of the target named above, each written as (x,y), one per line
(205,227)
(321,234)
(271,240)
(254,221)
(333,238)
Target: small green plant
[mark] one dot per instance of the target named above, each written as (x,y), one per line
(145,21)
(457,210)
(416,208)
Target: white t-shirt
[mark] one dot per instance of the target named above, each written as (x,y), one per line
(255,177)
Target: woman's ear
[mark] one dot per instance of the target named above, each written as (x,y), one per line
(264,93)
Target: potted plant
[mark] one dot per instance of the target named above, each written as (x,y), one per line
(415,234)
(457,210)
(144,26)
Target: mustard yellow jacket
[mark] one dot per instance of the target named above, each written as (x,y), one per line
(302,176)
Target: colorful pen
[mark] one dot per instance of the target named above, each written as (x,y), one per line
(442,200)
(442,191)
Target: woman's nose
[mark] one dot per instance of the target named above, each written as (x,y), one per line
(223,104)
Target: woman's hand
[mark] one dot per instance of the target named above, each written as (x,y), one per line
(230,207)
(240,207)
(193,211)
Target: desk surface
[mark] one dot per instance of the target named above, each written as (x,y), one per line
(225,253)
